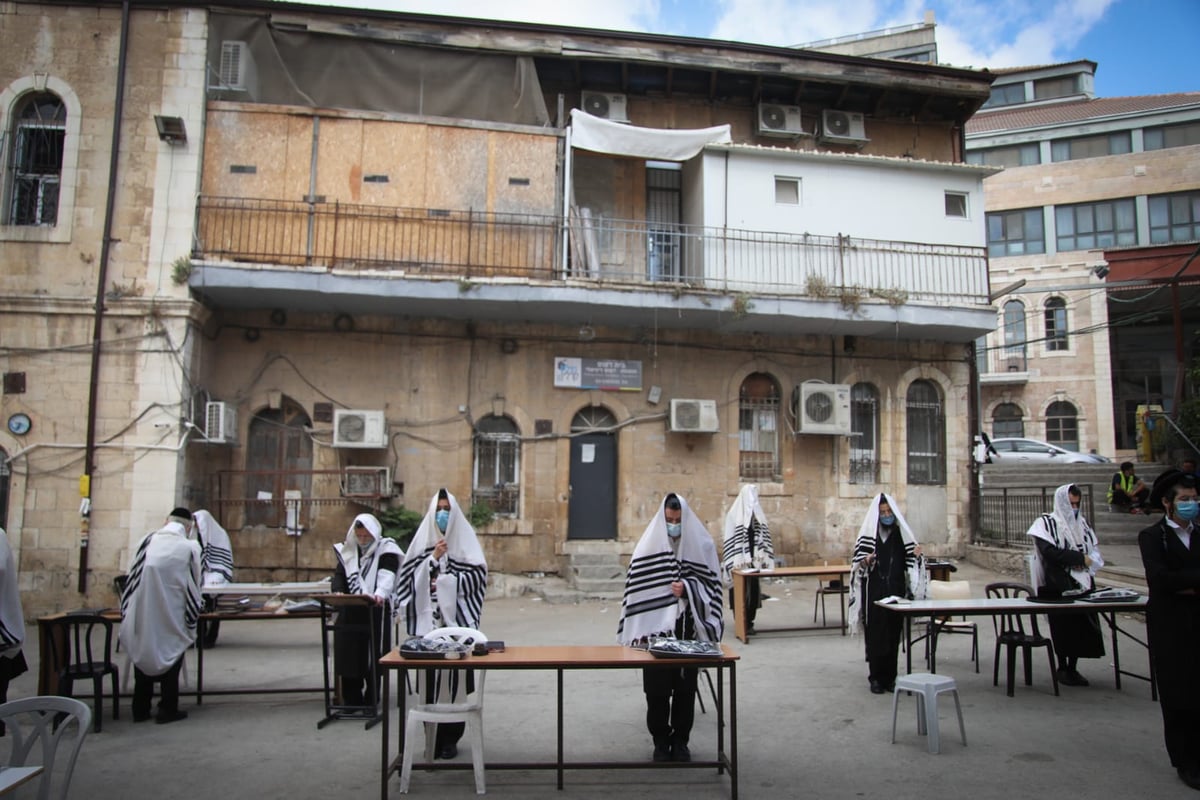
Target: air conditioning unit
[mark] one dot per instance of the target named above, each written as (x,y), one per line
(823,408)
(605,105)
(220,423)
(843,127)
(367,482)
(353,428)
(234,67)
(694,416)
(779,120)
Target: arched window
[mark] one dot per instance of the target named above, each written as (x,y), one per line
(35,159)
(498,464)
(864,433)
(926,421)
(758,428)
(1056,324)
(1007,421)
(593,418)
(1062,425)
(1014,336)
(278,460)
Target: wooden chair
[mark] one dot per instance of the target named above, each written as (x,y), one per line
(82,649)
(46,732)
(1015,631)
(950,590)
(468,709)
(836,586)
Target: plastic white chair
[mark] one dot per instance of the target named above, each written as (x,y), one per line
(468,709)
(37,740)
(927,686)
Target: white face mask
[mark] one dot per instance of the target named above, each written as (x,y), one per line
(674,529)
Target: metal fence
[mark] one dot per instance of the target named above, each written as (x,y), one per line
(1005,514)
(475,244)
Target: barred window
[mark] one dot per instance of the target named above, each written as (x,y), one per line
(36,159)
(1062,425)
(498,464)
(864,433)
(926,434)
(1014,336)
(758,428)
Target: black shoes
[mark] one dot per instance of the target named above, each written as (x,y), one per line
(1071,677)
(1190,776)
(446,751)
(162,718)
(662,752)
(876,687)
(680,752)
(142,717)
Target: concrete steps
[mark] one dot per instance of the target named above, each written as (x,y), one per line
(597,575)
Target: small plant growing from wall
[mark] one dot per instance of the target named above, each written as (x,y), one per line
(818,287)
(893,297)
(741,305)
(851,298)
(181,270)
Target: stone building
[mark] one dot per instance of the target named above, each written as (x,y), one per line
(289,263)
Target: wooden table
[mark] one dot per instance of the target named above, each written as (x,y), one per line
(561,659)
(12,777)
(939,610)
(821,573)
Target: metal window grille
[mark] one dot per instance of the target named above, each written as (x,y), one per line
(758,433)
(926,435)
(864,434)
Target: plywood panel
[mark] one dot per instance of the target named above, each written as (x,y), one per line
(249,139)
(457,165)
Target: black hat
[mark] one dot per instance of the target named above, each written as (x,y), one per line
(1163,484)
(180,512)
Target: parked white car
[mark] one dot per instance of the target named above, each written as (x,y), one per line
(1013,451)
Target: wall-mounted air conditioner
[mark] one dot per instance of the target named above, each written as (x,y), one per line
(779,120)
(606,105)
(367,482)
(822,408)
(694,416)
(356,428)
(220,422)
(843,127)
(236,67)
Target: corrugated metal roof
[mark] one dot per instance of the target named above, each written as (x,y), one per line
(1076,111)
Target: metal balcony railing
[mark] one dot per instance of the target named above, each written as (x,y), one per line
(1005,514)
(1006,359)
(478,245)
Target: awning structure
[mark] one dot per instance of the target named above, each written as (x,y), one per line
(657,144)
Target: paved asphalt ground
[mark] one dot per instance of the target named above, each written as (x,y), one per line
(808,726)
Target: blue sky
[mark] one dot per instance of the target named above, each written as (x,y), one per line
(1142,46)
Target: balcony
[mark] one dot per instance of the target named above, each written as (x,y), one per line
(1004,365)
(265,253)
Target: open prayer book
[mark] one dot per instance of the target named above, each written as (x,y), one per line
(895,600)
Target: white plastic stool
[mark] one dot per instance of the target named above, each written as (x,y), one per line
(927,686)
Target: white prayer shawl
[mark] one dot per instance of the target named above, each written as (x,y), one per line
(864,546)
(363,575)
(161,602)
(462,573)
(216,551)
(1064,530)
(648,607)
(12,618)
(735,547)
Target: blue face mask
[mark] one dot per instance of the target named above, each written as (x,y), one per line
(442,518)
(887,519)
(674,529)
(1187,509)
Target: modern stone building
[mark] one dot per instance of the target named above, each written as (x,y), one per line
(289,263)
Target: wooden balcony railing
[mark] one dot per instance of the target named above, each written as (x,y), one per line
(483,245)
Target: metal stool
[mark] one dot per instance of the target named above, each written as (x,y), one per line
(927,686)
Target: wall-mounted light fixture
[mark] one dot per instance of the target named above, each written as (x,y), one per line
(498,405)
(171,129)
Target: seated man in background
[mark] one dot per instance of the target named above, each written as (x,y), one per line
(1127,491)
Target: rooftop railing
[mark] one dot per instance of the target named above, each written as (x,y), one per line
(481,245)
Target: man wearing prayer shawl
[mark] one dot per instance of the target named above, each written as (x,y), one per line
(216,566)
(885,564)
(159,610)
(442,582)
(1171,555)
(1065,559)
(747,545)
(673,589)
(367,564)
(12,621)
